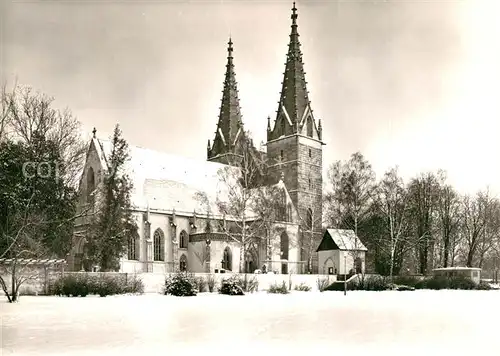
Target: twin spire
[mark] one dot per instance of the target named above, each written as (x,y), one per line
(294,100)
(293,108)
(230,124)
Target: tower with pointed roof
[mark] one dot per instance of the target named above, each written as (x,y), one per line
(229,129)
(294,144)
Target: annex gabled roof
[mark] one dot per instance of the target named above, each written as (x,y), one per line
(339,239)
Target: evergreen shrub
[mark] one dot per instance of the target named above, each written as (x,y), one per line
(181,284)
(231,286)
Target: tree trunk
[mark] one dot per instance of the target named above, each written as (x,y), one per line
(5,289)
(470,257)
(269,253)
(242,249)
(13,294)
(309,259)
(446,250)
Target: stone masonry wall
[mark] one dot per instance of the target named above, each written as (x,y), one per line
(302,166)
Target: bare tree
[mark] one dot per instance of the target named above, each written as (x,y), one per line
(30,114)
(448,206)
(269,204)
(23,248)
(7,102)
(473,225)
(238,192)
(352,184)
(310,236)
(204,200)
(24,245)
(480,226)
(392,202)
(424,191)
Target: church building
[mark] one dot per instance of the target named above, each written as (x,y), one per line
(180,226)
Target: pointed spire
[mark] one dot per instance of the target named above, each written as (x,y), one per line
(230,120)
(294,98)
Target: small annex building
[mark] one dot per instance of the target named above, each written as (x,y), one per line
(341,252)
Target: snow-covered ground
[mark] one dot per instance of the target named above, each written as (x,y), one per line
(362,323)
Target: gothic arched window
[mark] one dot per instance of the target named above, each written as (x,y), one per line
(183,263)
(183,243)
(284,245)
(250,261)
(227,259)
(159,245)
(133,247)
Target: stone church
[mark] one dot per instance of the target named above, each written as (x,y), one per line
(179,231)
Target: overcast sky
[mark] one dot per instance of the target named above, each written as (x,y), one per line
(413,83)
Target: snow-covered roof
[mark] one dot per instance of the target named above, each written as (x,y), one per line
(457,269)
(163,181)
(146,167)
(346,240)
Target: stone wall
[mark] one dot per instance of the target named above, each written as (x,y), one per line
(154,282)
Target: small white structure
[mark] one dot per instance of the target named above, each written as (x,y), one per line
(341,252)
(468,272)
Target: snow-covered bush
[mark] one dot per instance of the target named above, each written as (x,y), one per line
(180,284)
(72,286)
(278,288)
(302,287)
(371,284)
(484,286)
(82,285)
(134,285)
(322,284)
(211,283)
(200,284)
(248,283)
(231,286)
(409,281)
(367,284)
(440,282)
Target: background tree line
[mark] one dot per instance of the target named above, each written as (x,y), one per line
(414,226)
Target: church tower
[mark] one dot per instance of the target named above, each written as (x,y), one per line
(294,148)
(230,125)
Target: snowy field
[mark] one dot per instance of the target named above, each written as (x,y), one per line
(373,323)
